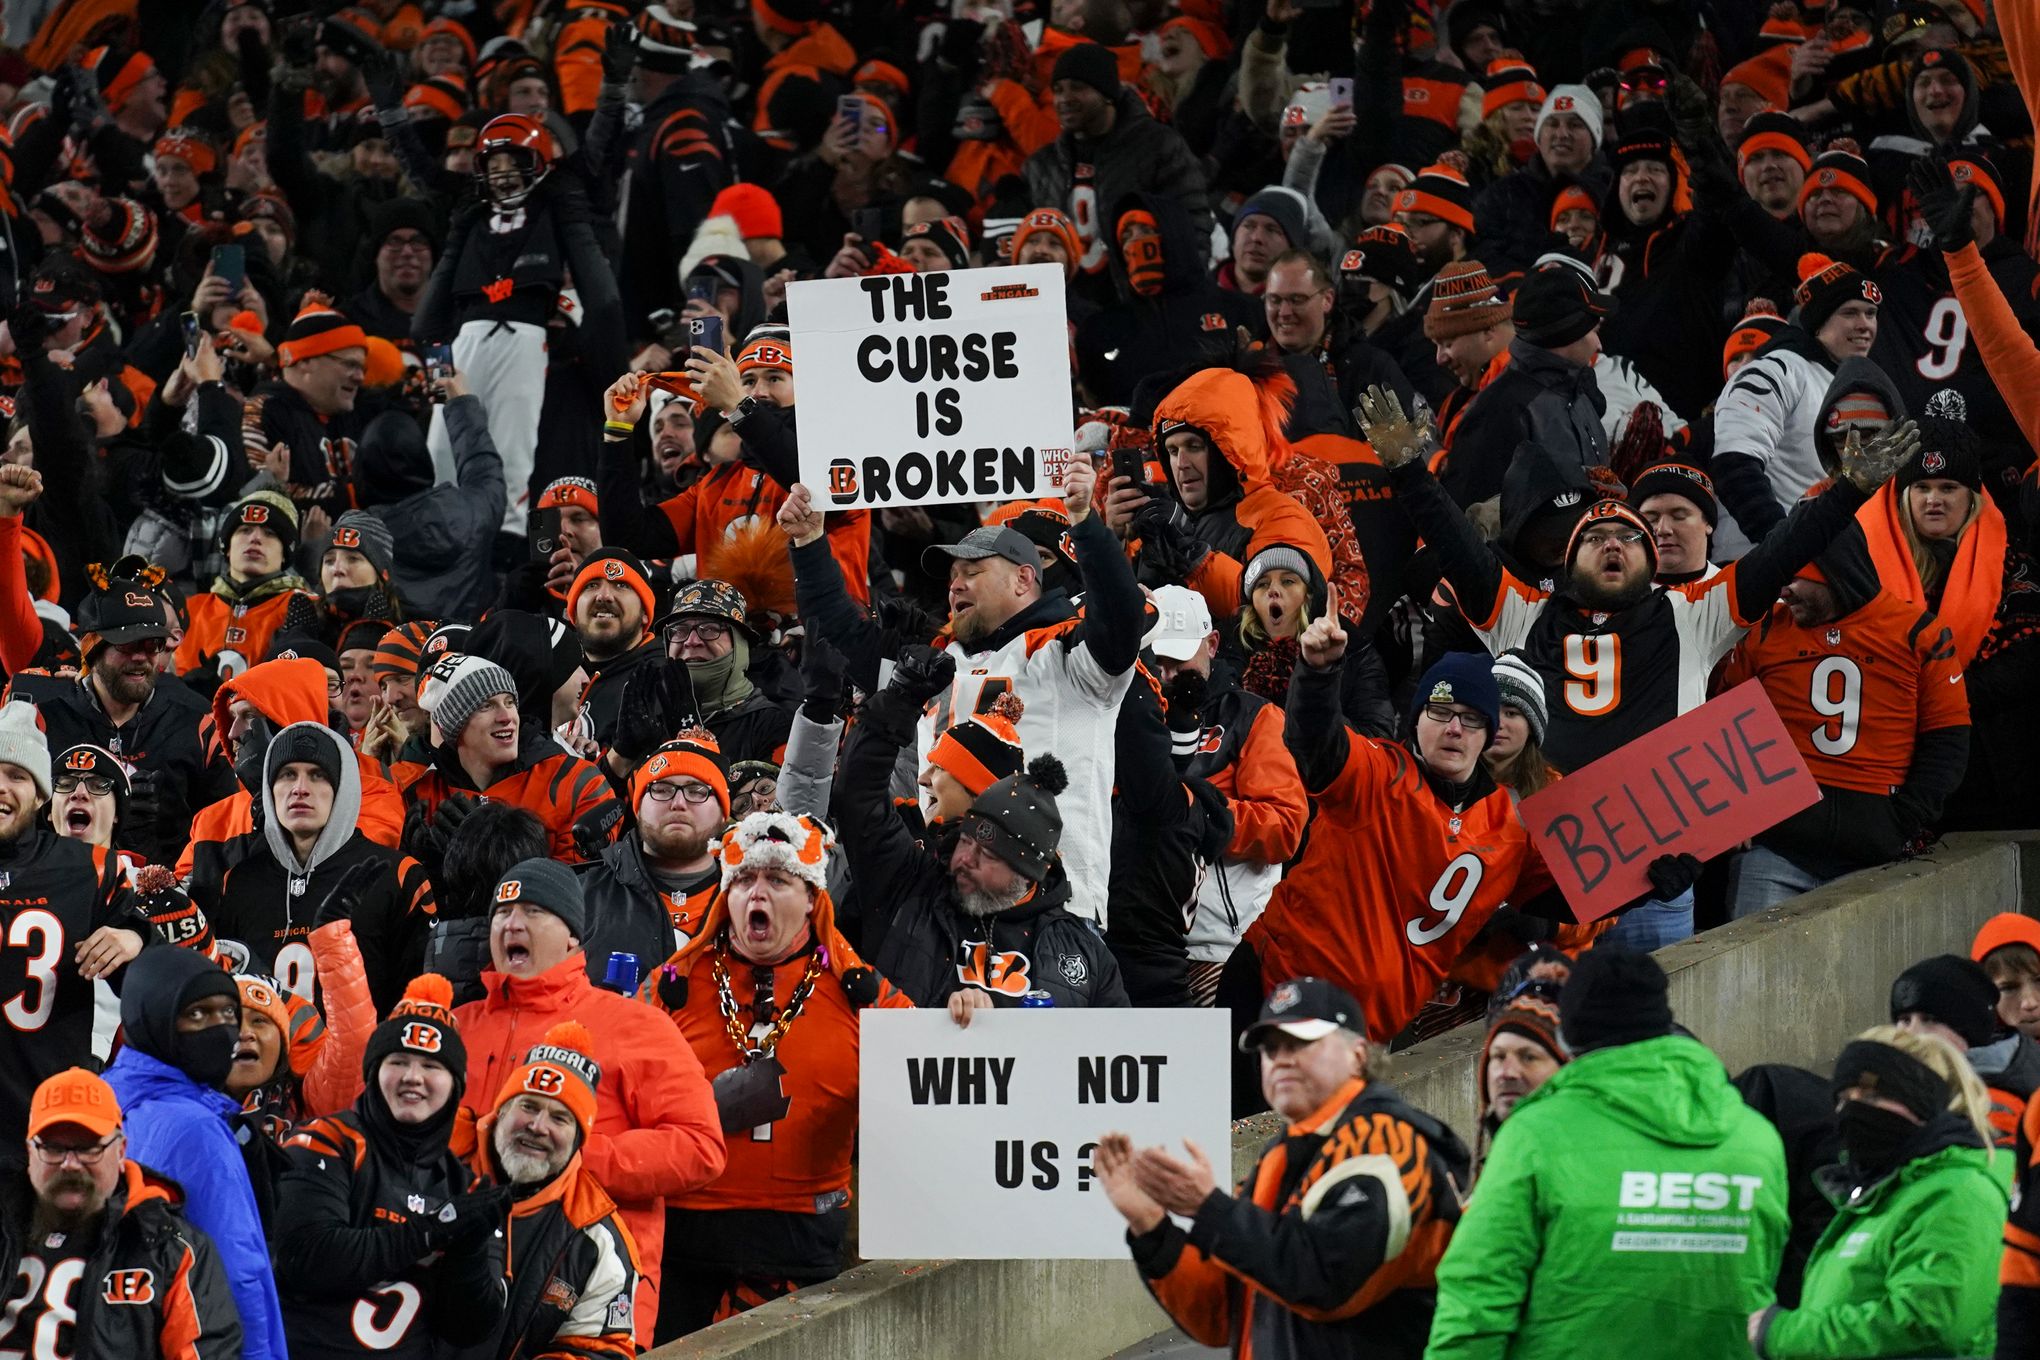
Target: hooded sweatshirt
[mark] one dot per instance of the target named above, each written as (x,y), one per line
(441,565)
(288,691)
(185,1131)
(270,899)
(1632,1195)
(1768,423)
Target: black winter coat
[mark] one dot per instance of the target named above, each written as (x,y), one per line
(1540,399)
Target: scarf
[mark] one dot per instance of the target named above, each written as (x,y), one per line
(724,682)
(259,589)
(1973,584)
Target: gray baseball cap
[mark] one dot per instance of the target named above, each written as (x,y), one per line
(987,540)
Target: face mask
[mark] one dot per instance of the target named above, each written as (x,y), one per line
(1873,1136)
(208,1055)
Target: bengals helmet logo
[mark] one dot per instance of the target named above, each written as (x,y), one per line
(509,890)
(612,570)
(1005,972)
(544,1081)
(81,760)
(128,1286)
(421,1037)
(347,538)
(254,514)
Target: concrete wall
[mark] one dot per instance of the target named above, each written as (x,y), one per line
(1788,986)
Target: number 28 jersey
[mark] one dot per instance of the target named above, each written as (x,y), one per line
(1393,885)
(54,893)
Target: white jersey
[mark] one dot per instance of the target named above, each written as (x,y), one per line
(1072,706)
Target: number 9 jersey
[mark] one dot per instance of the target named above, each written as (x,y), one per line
(1394,883)
(54,893)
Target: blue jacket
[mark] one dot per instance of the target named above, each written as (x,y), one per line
(182,1130)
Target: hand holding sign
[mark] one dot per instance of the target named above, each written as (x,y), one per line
(1324,642)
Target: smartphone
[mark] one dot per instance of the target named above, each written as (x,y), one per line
(230,262)
(868,223)
(1132,465)
(1342,92)
(542,531)
(193,333)
(706,331)
(438,362)
(850,108)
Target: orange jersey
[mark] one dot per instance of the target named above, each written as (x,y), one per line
(217,626)
(1393,885)
(559,789)
(801,1163)
(735,495)
(1856,692)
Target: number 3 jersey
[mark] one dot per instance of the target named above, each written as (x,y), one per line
(54,893)
(1393,883)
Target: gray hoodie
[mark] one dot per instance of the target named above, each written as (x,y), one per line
(346,801)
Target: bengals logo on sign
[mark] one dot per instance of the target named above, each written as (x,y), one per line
(128,1286)
(544,1081)
(421,1037)
(509,890)
(347,538)
(842,479)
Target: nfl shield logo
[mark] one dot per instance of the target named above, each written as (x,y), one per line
(415,1203)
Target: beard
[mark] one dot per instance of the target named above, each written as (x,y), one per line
(1589,591)
(523,1167)
(47,1219)
(679,844)
(124,688)
(978,903)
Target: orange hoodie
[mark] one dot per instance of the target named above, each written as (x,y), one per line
(1243,419)
(286,692)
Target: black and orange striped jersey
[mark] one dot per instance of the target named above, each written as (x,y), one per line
(569,796)
(1856,692)
(1330,1246)
(54,893)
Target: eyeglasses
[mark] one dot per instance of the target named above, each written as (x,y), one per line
(87,1156)
(692,791)
(1294,301)
(414,243)
(141,647)
(1601,538)
(98,785)
(1445,715)
(708,630)
(333,685)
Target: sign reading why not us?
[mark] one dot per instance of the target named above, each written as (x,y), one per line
(923,389)
(976,1143)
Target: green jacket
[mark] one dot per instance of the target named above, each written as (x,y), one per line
(1632,1205)
(1909,1268)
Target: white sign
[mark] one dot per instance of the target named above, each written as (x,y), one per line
(921,389)
(976,1143)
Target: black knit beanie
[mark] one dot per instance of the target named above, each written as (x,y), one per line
(1614,996)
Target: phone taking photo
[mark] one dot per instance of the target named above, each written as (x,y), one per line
(850,108)
(230,264)
(438,362)
(706,331)
(542,531)
(1342,92)
(193,333)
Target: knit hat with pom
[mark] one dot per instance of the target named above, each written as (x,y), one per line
(1839,167)
(1825,286)
(318,328)
(421,1023)
(1017,819)
(561,1067)
(984,748)
(1760,325)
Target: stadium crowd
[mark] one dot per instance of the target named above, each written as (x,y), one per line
(459,786)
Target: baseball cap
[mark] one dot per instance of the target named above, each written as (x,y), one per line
(1182,622)
(987,540)
(74,1097)
(1306,1009)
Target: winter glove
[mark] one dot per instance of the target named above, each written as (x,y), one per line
(1397,438)
(1008,55)
(978,120)
(619,53)
(657,701)
(822,668)
(1168,550)
(1943,206)
(1521,926)
(1671,875)
(29,326)
(1184,696)
(379,74)
(343,899)
(451,814)
(361,602)
(88,105)
(596,827)
(920,673)
(144,805)
(1869,466)
(458,950)
(472,1217)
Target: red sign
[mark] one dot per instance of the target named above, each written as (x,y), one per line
(1696,786)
